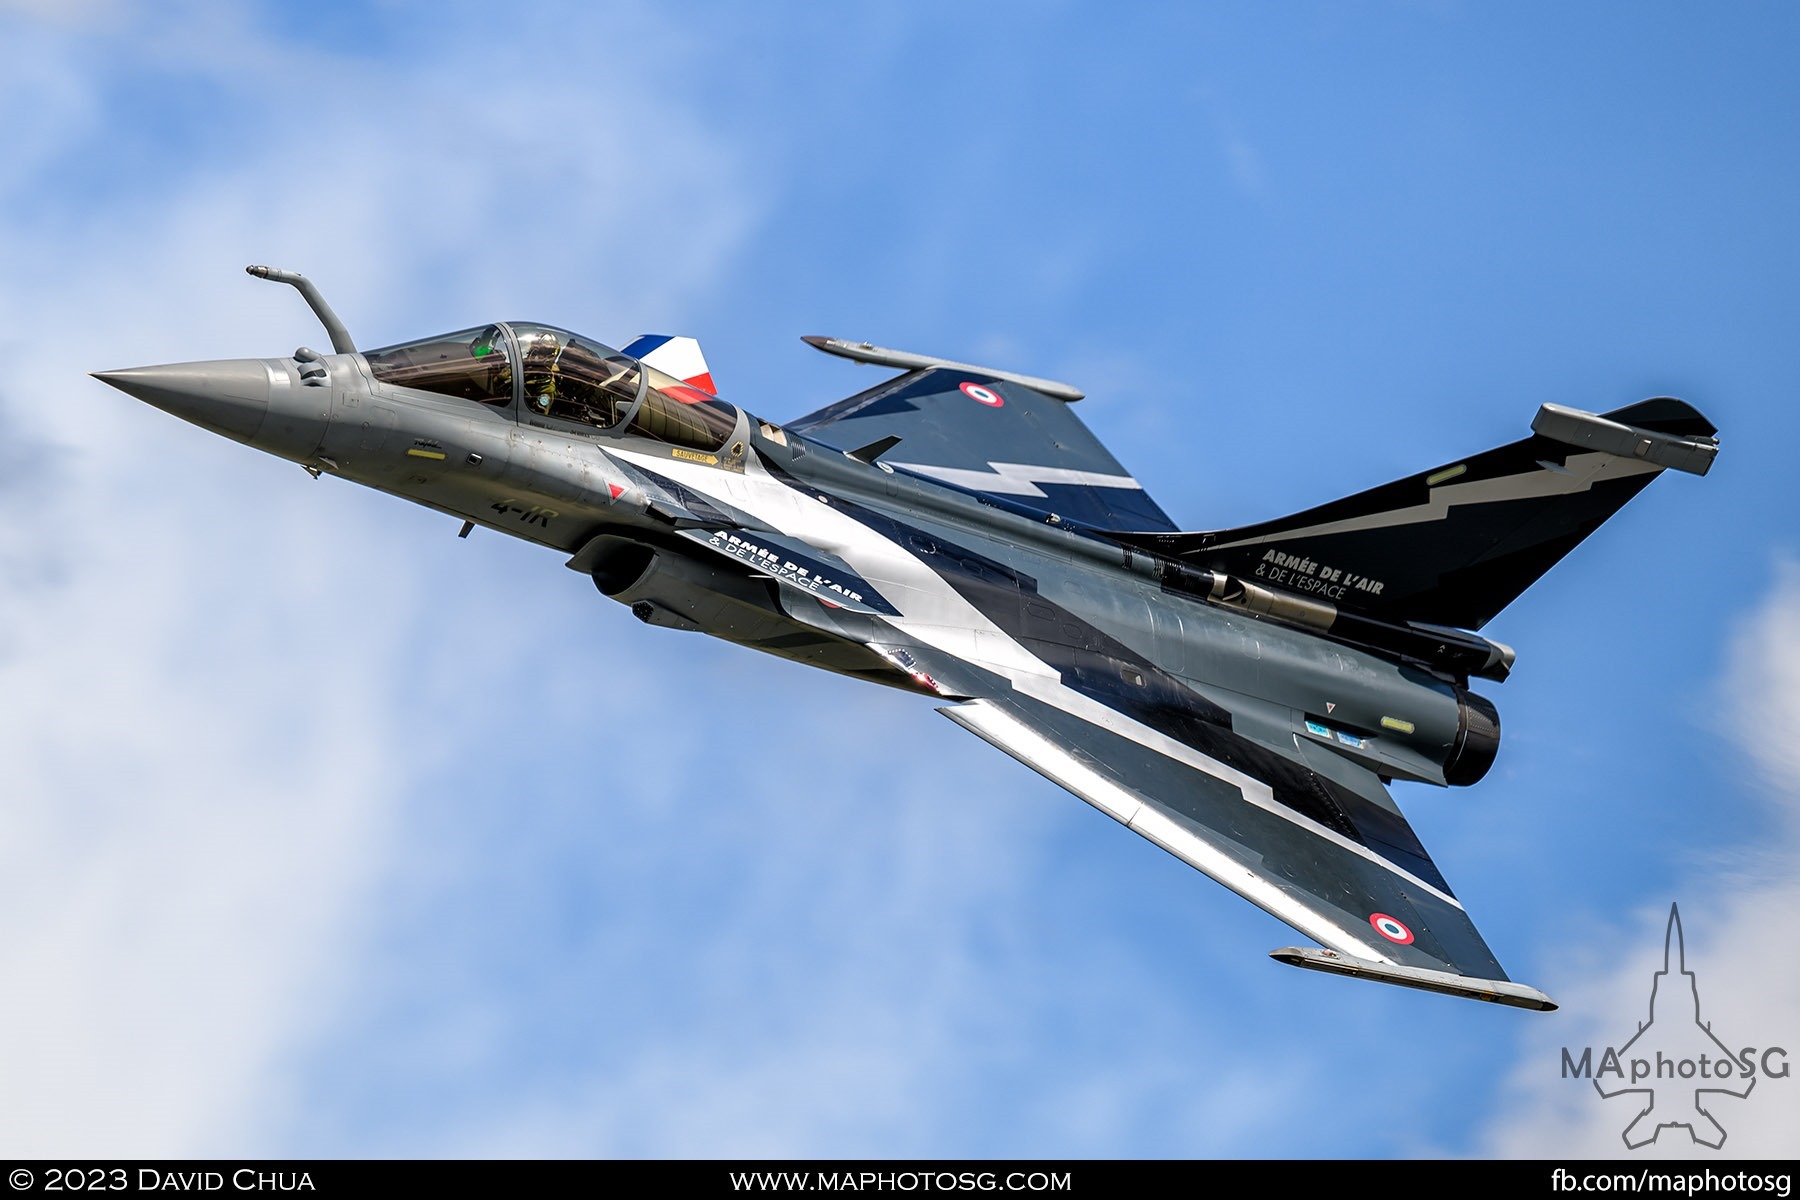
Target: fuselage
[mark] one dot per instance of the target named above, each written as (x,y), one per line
(698,515)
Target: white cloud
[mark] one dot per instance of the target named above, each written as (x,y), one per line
(205,708)
(326,833)
(1738,916)
(1764,684)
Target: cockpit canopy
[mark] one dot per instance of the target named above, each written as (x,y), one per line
(555,374)
(475,364)
(569,377)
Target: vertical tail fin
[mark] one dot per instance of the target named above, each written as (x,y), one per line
(1456,544)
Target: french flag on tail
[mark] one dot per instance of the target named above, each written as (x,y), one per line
(677,356)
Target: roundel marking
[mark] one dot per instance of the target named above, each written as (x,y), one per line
(1391,929)
(981,395)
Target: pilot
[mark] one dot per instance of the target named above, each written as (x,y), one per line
(541,355)
(578,372)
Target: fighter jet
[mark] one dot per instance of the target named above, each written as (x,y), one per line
(1240,697)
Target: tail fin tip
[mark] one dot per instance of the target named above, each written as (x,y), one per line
(1655,431)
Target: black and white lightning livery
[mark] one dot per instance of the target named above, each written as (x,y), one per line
(1240,697)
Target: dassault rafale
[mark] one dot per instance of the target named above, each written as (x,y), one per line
(1240,697)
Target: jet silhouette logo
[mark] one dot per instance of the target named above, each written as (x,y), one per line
(1674,1064)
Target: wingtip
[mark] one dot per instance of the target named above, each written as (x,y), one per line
(1448,983)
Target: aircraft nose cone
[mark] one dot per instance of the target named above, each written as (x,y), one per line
(230,396)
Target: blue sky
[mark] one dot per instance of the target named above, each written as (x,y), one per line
(329,834)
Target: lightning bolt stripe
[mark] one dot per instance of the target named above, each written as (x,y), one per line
(935,614)
(1579,474)
(1019,479)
